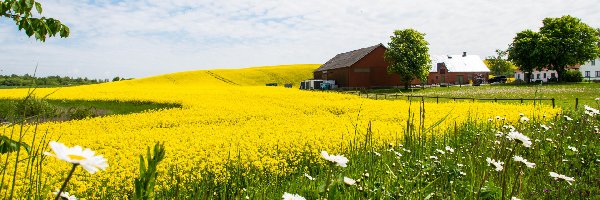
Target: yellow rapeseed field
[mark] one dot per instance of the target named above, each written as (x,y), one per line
(226,112)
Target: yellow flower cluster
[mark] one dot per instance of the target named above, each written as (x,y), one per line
(230,112)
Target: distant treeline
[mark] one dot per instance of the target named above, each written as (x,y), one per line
(28,80)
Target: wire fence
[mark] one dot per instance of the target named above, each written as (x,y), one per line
(378,96)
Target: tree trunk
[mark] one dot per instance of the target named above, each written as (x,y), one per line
(561,72)
(406,84)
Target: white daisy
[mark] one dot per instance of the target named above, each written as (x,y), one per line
(337,159)
(516,136)
(557,176)
(349,181)
(524,161)
(572,148)
(440,151)
(78,156)
(449,149)
(524,119)
(568,118)
(496,164)
(514,198)
(65,195)
(288,196)
(309,177)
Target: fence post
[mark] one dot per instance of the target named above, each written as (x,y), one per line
(521,100)
(552,102)
(376,96)
(473,99)
(437,100)
(576,103)
(495,100)
(385,96)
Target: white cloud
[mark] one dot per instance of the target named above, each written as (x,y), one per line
(135,38)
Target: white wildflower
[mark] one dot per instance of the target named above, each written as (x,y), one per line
(349,181)
(65,195)
(557,176)
(524,119)
(568,118)
(309,177)
(524,161)
(572,148)
(516,136)
(449,149)
(440,151)
(337,159)
(496,164)
(433,157)
(514,198)
(78,156)
(288,196)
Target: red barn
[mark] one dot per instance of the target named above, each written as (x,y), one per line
(366,68)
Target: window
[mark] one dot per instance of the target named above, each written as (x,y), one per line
(597,73)
(538,76)
(587,73)
(518,76)
(544,75)
(437,77)
(552,75)
(593,62)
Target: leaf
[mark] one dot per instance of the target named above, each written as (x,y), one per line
(29,4)
(64,31)
(7,145)
(38,7)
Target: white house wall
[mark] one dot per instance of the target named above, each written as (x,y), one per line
(593,67)
(543,75)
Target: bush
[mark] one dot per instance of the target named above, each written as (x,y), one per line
(573,76)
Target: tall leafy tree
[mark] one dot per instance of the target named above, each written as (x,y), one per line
(567,42)
(20,11)
(498,64)
(408,55)
(525,52)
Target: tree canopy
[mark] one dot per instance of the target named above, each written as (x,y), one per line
(561,42)
(408,55)
(525,52)
(20,11)
(568,41)
(498,64)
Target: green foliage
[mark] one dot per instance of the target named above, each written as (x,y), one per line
(561,42)
(408,55)
(28,80)
(525,52)
(144,184)
(568,42)
(572,76)
(498,64)
(7,145)
(20,11)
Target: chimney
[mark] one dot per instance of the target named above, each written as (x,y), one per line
(449,57)
(464,54)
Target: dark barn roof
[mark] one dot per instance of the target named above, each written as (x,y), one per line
(347,59)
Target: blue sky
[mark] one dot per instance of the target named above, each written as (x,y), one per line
(138,38)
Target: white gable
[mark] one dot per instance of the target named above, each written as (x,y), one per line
(458,63)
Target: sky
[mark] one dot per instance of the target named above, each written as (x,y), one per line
(139,38)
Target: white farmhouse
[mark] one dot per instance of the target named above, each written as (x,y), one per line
(543,75)
(591,70)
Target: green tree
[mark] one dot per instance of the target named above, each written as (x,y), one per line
(408,56)
(525,52)
(40,27)
(567,42)
(499,65)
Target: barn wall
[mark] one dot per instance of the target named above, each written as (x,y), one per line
(377,75)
